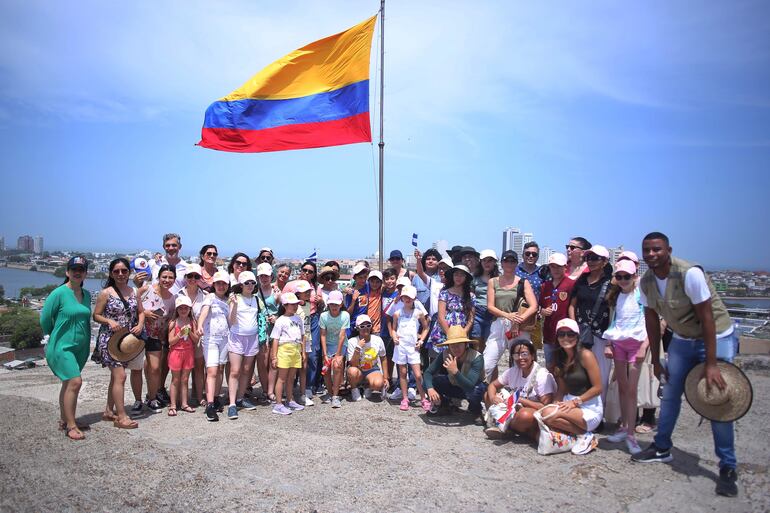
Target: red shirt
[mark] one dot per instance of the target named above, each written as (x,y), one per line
(559,296)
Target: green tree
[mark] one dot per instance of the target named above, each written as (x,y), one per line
(2,291)
(23,325)
(36,291)
(60,272)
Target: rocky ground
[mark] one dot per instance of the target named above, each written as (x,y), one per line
(365,456)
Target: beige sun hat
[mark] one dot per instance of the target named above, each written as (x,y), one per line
(124,345)
(456,335)
(727,405)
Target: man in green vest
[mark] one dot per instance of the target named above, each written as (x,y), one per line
(682,294)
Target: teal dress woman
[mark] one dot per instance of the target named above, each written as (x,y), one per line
(66,318)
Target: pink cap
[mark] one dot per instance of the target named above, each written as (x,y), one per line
(625,266)
(629,255)
(335,298)
(570,324)
(599,251)
(557,259)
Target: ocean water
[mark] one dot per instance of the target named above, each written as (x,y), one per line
(14,280)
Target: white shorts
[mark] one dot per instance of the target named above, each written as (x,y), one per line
(404,354)
(214,350)
(592,411)
(137,363)
(244,345)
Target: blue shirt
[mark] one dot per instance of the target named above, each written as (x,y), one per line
(533,278)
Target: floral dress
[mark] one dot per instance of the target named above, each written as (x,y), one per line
(116,311)
(455,316)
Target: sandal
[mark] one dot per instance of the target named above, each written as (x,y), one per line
(83,427)
(109,417)
(187,409)
(125,424)
(73,433)
(172,412)
(644,428)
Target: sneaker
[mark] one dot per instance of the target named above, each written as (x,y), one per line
(326,399)
(309,402)
(633,445)
(163,396)
(618,436)
(652,454)
(218,405)
(154,406)
(308,393)
(727,484)
(355,395)
(585,444)
(295,406)
(404,404)
(232,412)
(245,404)
(368,393)
(410,393)
(136,409)
(336,403)
(494,433)
(426,405)
(396,395)
(281,409)
(211,413)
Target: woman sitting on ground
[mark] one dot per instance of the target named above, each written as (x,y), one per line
(535,385)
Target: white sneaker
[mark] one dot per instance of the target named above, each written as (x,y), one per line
(309,401)
(410,394)
(633,445)
(336,403)
(355,395)
(585,444)
(326,398)
(368,393)
(308,393)
(396,395)
(619,435)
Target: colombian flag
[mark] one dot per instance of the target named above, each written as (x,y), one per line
(313,97)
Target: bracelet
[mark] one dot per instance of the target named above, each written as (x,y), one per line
(578,400)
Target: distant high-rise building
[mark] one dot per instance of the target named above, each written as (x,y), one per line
(615,254)
(545,254)
(511,238)
(37,244)
(643,267)
(2,243)
(25,243)
(441,246)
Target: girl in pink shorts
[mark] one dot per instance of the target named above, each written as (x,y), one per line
(182,339)
(628,336)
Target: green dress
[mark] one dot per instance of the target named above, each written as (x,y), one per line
(68,323)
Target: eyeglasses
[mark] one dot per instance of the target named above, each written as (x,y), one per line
(566,334)
(193,276)
(250,282)
(593,258)
(571,247)
(120,271)
(522,354)
(211,253)
(308,271)
(241,263)
(623,277)
(530,254)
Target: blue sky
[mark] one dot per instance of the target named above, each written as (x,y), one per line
(607,120)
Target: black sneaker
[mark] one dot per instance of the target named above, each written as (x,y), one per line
(218,405)
(652,454)
(727,483)
(211,413)
(163,396)
(155,406)
(136,409)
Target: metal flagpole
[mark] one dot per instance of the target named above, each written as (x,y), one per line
(382,141)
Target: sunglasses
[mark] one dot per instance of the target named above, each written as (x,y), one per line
(77,269)
(120,271)
(193,276)
(593,258)
(250,282)
(623,277)
(523,354)
(266,258)
(308,271)
(571,247)
(566,334)
(366,325)
(530,254)
(241,263)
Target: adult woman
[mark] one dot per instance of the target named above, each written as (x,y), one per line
(66,318)
(282,274)
(208,257)
(458,373)
(503,294)
(579,390)
(158,304)
(535,385)
(308,272)
(367,360)
(589,306)
(482,318)
(197,296)
(575,263)
(328,278)
(238,263)
(455,304)
(117,307)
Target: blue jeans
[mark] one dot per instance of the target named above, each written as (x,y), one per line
(482,321)
(683,355)
(314,357)
(446,389)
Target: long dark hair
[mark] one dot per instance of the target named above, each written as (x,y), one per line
(205,248)
(111,281)
(467,286)
(314,281)
(234,258)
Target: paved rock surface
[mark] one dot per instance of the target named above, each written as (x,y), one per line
(365,456)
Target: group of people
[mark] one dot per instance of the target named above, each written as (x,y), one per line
(441,329)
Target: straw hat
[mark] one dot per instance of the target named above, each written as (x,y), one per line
(124,345)
(455,335)
(726,405)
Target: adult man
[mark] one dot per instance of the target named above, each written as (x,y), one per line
(683,295)
(554,302)
(172,244)
(528,268)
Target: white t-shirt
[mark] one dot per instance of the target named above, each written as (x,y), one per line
(397,306)
(288,330)
(695,288)
(409,327)
(246,316)
(544,382)
(629,319)
(370,353)
(216,324)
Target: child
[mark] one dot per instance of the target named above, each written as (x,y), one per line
(334,323)
(367,362)
(628,334)
(242,343)
(182,336)
(303,292)
(356,296)
(213,329)
(287,353)
(411,329)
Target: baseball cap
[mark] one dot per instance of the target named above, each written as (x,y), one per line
(508,254)
(375,274)
(335,298)
(468,250)
(220,276)
(246,276)
(599,251)
(488,253)
(264,269)
(570,324)
(630,255)
(359,268)
(409,291)
(302,286)
(361,319)
(182,301)
(403,281)
(266,249)
(557,259)
(192,269)
(626,266)
(77,261)
(396,255)
(289,298)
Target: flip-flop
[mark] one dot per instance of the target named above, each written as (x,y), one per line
(172,412)
(188,409)
(74,433)
(82,427)
(643,428)
(109,417)
(128,424)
